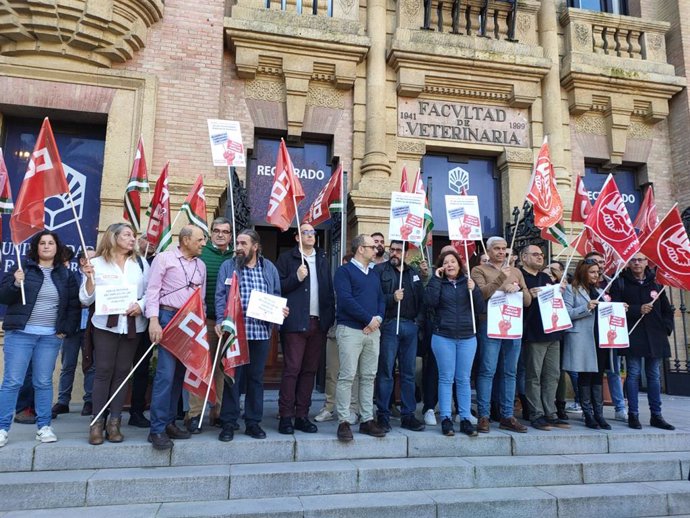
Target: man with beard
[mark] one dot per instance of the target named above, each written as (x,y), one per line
(379,248)
(254,273)
(399,342)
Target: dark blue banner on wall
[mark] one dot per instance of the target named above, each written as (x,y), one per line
(625,180)
(313,165)
(81,149)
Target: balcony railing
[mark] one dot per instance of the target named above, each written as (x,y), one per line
(493,19)
(315,7)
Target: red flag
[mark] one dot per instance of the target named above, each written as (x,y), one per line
(158,232)
(138,183)
(581,204)
(543,194)
(194,205)
(328,200)
(185,336)
(286,192)
(669,248)
(610,221)
(44,178)
(403,180)
(198,387)
(234,348)
(590,242)
(647,218)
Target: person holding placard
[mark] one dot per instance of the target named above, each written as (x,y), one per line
(649,341)
(581,351)
(453,341)
(117,272)
(497,276)
(34,331)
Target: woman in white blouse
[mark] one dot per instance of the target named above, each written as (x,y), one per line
(115,336)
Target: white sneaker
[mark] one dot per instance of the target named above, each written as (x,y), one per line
(353,419)
(324,415)
(3,438)
(573,407)
(430,417)
(621,415)
(46,434)
(472,419)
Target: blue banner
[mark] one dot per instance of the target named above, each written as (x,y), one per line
(627,185)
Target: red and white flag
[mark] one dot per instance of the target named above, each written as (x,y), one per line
(647,218)
(44,178)
(159,233)
(138,183)
(610,221)
(403,180)
(194,205)
(669,248)
(581,203)
(590,242)
(542,193)
(234,347)
(185,336)
(286,192)
(328,200)
(199,387)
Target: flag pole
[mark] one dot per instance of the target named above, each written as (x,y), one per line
(653,301)
(570,244)
(19,267)
(402,271)
(299,233)
(618,272)
(231,189)
(467,265)
(343,217)
(81,235)
(210,380)
(124,382)
(572,253)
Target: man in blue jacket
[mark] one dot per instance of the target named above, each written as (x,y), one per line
(255,273)
(359,313)
(305,279)
(399,340)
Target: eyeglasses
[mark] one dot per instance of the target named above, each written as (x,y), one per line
(219,231)
(396,250)
(309,232)
(638,260)
(591,261)
(536,254)
(368,246)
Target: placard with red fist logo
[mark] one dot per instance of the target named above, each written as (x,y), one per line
(613,326)
(464,223)
(504,315)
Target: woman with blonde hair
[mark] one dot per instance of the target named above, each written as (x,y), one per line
(115,337)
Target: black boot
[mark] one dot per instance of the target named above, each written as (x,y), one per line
(560,410)
(525,407)
(586,404)
(598,405)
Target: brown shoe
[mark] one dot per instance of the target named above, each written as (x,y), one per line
(96,432)
(112,430)
(344,432)
(483,425)
(513,425)
(372,428)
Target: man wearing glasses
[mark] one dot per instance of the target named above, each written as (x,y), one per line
(399,340)
(305,280)
(213,254)
(359,312)
(542,351)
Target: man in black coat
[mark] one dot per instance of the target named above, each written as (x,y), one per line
(305,280)
(637,287)
(399,340)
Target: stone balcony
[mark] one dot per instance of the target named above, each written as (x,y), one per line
(97,33)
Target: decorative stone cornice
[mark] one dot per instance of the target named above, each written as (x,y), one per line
(99,33)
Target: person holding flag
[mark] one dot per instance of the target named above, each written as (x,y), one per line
(115,337)
(306,281)
(34,330)
(254,273)
(173,278)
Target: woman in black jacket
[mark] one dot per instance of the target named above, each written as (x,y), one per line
(34,331)
(454,341)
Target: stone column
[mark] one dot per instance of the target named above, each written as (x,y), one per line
(375,163)
(551,91)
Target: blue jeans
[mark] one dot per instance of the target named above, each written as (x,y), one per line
(488,360)
(404,346)
(615,384)
(167,384)
(454,357)
(70,355)
(20,349)
(652,368)
(253,375)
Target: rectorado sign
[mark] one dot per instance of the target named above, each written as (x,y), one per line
(459,122)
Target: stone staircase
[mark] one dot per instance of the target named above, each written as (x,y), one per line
(577,472)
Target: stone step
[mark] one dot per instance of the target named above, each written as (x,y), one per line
(205,449)
(623,500)
(76,488)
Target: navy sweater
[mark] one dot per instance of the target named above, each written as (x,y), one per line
(359,297)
